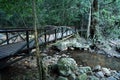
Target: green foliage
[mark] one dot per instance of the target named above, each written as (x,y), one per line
(2,17)
(60,12)
(110,19)
(50,12)
(16,12)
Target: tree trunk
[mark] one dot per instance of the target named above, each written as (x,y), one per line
(94,30)
(39,60)
(89,23)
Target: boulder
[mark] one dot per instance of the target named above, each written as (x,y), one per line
(85,69)
(118,48)
(72,76)
(99,74)
(66,66)
(111,78)
(92,78)
(116,75)
(97,68)
(61,78)
(106,72)
(72,43)
(62,45)
(82,77)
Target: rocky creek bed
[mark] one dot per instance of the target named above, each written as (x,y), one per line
(66,65)
(72,59)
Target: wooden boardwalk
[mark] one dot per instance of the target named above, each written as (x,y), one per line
(12,49)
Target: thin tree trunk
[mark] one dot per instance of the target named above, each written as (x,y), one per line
(39,60)
(89,23)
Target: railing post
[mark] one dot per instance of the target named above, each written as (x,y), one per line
(45,36)
(7,37)
(67,31)
(75,29)
(55,35)
(27,39)
(61,32)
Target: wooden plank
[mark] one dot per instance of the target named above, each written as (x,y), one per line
(11,49)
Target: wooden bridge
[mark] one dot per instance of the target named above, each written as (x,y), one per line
(19,43)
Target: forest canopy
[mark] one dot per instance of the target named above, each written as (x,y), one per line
(18,13)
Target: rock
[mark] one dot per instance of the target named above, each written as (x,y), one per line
(64,55)
(56,56)
(53,69)
(49,60)
(97,68)
(116,55)
(84,69)
(61,78)
(57,53)
(111,78)
(102,79)
(106,72)
(70,48)
(82,77)
(47,57)
(72,44)
(116,75)
(66,66)
(113,71)
(92,78)
(48,78)
(72,76)
(76,45)
(118,48)
(62,45)
(99,74)
(68,53)
(90,73)
(100,52)
(43,55)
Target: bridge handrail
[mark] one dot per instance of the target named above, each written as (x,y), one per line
(31,29)
(43,33)
(4,41)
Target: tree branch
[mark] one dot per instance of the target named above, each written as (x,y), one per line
(110,2)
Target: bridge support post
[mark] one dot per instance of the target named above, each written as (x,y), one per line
(45,37)
(67,31)
(27,40)
(7,37)
(55,35)
(75,29)
(61,32)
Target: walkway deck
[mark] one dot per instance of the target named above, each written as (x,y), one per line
(19,47)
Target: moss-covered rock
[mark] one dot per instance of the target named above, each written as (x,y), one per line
(82,77)
(72,76)
(85,69)
(93,78)
(66,66)
(61,78)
